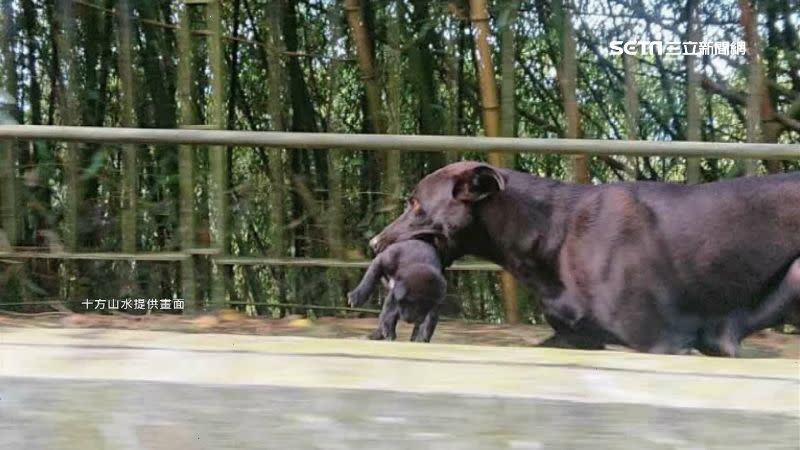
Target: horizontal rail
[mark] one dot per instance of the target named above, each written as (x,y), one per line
(333,263)
(233,303)
(101,256)
(305,306)
(399,142)
(328,263)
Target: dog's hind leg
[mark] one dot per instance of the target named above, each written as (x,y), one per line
(723,337)
(566,337)
(572,340)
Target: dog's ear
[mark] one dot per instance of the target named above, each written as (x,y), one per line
(399,290)
(477,183)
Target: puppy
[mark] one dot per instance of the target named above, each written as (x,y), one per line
(416,285)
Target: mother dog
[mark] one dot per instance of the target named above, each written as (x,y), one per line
(658,267)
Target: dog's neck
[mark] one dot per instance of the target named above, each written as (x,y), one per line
(522,228)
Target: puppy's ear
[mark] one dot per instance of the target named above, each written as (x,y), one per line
(477,183)
(399,290)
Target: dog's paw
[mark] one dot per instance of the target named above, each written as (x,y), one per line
(722,338)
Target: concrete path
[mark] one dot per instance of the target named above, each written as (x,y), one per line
(89,388)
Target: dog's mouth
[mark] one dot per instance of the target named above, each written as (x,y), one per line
(433,237)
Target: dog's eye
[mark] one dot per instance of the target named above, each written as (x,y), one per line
(413,204)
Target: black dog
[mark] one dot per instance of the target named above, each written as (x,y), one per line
(658,267)
(416,289)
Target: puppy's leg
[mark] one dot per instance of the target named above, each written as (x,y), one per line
(423,332)
(387,321)
(366,287)
(415,333)
(388,324)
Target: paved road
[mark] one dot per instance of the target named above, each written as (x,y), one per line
(87,389)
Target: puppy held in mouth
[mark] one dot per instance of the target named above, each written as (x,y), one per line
(416,285)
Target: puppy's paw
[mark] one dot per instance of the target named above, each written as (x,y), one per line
(355,298)
(376,335)
(389,335)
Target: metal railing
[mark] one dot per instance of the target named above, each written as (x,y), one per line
(384,142)
(283,140)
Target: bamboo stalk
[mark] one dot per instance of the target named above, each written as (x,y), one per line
(631,111)
(693,124)
(68,110)
(225,37)
(491,123)
(8,201)
(568,78)
(366,62)
(276,79)
(130,168)
(754,80)
(218,155)
(186,162)
(508,53)
(454,67)
(338,281)
(394,103)
(8,155)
